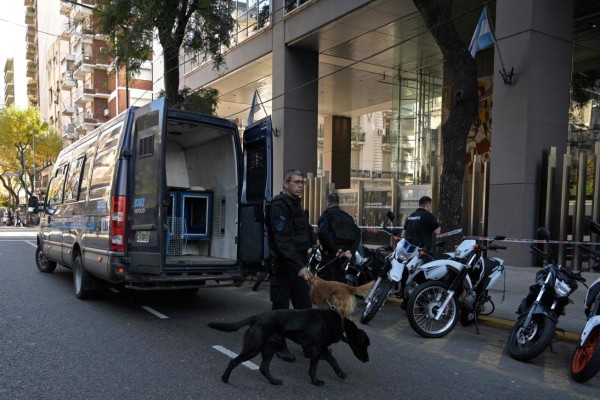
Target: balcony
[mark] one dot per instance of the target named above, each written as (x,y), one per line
(67,30)
(33,99)
(31,51)
(31,34)
(65,8)
(31,69)
(69,111)
(67,81)
(30,15)
(68,62)
(29,3)
(81,11)
(83,64)
(83,96)
(69,132)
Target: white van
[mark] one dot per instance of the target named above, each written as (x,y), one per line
(158,199)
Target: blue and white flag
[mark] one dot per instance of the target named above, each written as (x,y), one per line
(255,107)
(482,37)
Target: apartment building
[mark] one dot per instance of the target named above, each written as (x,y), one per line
(85,89)
(9,82)
(31,55)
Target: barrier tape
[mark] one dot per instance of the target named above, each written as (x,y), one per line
(516,240)
(451,233)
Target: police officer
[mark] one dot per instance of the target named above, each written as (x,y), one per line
(290,238)
(339,236)
(421,224)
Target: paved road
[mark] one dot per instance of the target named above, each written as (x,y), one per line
(157,346)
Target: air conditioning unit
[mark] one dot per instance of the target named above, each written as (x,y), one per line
(103,49)
(106,112)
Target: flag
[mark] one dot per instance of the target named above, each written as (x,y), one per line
(482,37)
(255,107)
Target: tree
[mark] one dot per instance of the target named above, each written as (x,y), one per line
(20,131)
(199,27)
(437,15)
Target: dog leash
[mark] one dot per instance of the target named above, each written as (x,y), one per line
(323,296)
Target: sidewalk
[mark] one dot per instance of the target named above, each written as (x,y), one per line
(518,280)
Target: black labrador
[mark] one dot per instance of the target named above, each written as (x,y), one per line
(315,330)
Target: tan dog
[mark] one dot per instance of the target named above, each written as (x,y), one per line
(340,295)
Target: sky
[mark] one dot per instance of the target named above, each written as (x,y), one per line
(12,32)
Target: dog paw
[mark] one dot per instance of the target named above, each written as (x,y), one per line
(276,382)
(342,375)
(317,382)
(225,379)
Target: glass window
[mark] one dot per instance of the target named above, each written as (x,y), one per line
(102,172)
(109,138)
(73,180)
(55,192)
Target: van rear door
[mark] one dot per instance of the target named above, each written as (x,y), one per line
(146,189)
(257,183)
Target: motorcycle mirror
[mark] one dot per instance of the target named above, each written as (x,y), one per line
(543,233)
(441,243)
(499,237)
(391,216)
(594,227)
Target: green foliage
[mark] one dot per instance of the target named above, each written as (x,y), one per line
(199,27)
(204,101)
(26,144)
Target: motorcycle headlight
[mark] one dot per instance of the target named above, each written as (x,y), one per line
(562,288)
(540,277)
(405,250)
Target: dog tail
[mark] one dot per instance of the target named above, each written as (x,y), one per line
(364,290)
(232,326)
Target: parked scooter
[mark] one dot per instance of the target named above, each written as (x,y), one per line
(586,358)
(459,291)
(540,309)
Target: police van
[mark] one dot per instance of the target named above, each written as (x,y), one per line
(158,199)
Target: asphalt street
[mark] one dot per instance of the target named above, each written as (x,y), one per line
(124,345)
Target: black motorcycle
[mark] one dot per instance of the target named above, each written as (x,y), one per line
(540,309)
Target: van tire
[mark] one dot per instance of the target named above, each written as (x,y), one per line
(42,263)
(83,282)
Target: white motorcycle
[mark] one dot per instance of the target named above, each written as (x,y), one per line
(586,358)
(405,257)
(458,290)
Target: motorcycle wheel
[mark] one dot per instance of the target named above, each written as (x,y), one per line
(586,359)
(528,342)
(424,304)
(375,302)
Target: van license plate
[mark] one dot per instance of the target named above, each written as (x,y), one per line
(142,236)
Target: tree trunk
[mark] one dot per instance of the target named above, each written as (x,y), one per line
(437,15)
(171,75)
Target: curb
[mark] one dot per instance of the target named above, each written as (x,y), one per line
(507,324)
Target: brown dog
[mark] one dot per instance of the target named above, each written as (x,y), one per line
(341,296)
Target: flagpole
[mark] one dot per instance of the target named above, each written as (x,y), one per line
(506,77)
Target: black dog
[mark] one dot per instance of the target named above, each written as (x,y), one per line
(312,329)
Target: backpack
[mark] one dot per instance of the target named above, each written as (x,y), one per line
(343,226)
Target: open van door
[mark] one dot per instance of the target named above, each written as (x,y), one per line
(257,183)
(145,208)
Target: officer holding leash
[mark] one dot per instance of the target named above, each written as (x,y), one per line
(290,238)
(339,236)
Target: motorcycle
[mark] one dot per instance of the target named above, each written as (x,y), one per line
(365,265)
(586,358)
(405,257)
(540,309)
(459,290)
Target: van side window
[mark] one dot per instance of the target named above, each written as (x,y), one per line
(85,173)
(55,191)
(109,138)
(73,180)
(102,172)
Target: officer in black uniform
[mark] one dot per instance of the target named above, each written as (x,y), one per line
(290,238)
(421,224)
(339,236)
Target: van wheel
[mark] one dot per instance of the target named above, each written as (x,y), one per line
(43,264)
(82,280)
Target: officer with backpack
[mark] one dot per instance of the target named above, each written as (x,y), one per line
(339,237)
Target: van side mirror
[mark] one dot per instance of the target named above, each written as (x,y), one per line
(391,216)
(543,233)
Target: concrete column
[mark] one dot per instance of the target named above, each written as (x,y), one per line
(295,104)
(337,149)
(530,116)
